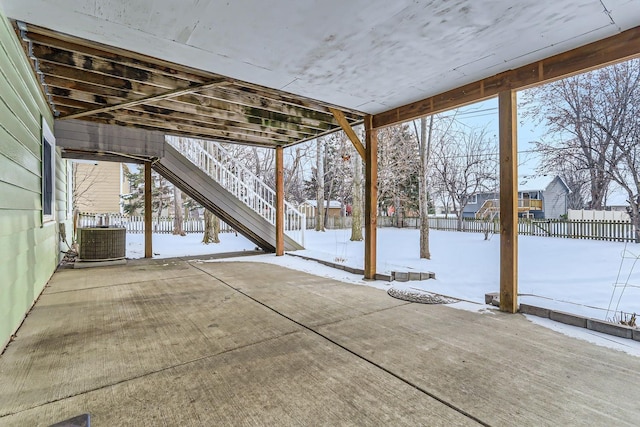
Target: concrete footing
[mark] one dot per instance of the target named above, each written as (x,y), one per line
(609,328)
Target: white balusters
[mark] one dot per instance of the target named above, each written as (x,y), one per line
(215,161)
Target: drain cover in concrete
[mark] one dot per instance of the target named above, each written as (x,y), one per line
(420,296)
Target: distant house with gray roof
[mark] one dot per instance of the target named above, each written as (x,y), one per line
(538,197)
(310,207)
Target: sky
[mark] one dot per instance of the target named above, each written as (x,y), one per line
(485,115)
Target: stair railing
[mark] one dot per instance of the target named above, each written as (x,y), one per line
(211,158)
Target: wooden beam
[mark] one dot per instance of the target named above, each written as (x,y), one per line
(346,127)
(227,117)
(508,127)
(370,198)
(148,248)
(168,113)
(282,97)
(197,132)
(99,156)
(89,64)
(54,39)
(148,99)
(256,104)
(134,89)
(152,121)
(87,102)
(100,90)
(91,99)
(607,51)
(268,114)
(279,201)
(40,36)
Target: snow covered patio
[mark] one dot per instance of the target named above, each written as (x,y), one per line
(178,342)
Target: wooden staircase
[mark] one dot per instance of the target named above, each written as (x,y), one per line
(204,170)
(489,210)
(185,175)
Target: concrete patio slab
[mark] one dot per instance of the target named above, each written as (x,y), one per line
(313,301)
(171,342)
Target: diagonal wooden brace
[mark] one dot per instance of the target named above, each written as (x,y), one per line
(346,127)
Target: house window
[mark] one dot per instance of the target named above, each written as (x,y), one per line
(473,199)
(48,172)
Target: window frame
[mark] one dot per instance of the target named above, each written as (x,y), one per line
(50,159)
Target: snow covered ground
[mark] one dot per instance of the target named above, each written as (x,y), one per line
(590,278)
(169,246)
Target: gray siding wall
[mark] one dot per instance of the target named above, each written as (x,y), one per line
(555,200)
(470,210)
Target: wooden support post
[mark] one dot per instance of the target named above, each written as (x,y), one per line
(148,248)
(508,201)
(370,198)
(279,201)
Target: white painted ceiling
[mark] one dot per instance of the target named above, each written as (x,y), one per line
(368,55)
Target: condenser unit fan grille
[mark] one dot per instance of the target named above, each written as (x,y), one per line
(102,244)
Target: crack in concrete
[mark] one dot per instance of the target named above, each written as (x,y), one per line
(146,374)
(354,353)
(119,284)
(321,325)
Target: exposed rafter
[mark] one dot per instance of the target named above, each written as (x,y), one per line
(94,82)
(149,99)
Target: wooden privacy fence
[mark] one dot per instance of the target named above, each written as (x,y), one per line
(135,224)
(614,231)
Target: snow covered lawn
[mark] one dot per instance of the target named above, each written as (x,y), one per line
(551,270)
(168,245)
(577,276)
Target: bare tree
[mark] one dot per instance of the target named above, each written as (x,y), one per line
(178,217)
(211,228)
(464,165)
(424,148)
(319,184)
(398,170)
(584,115)
(356,205)
(84,177)
(578,181)
(594,120)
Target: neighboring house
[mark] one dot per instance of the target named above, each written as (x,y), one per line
(97,186)
(538,197)
(309,208)
(617,199)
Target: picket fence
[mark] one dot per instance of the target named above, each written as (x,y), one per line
(613,231)
(135,224)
